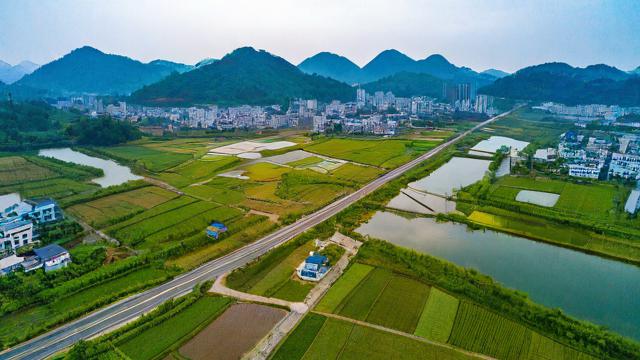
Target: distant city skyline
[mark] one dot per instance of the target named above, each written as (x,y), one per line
(506,35)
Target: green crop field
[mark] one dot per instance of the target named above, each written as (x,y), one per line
(485,332)
(360,301)
(265,171)
(153,212)
(345,284)
(281,272)
(197,170)
(104,210)
(305,162)
(215,193)
(357,173)
(318,337)
(543,348)
(151,158)
(16,169)
(382,153)
(158,339)
(57,188)
(437,316)
(405,299)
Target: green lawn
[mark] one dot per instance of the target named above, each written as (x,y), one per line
(155,341)
(437,316)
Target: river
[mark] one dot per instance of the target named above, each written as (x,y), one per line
(114,173)
(603,291)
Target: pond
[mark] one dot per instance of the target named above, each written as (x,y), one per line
(114,173)
(538,197)
(421,203)
(494,143)
(599,290)
(455,174)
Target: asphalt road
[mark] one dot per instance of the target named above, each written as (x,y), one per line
(130,308)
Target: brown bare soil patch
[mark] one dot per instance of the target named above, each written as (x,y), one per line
(233,333)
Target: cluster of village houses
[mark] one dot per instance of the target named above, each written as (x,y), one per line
(19,223)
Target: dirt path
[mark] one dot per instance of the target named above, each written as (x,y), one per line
(90,230)
(163,185)
(401,333)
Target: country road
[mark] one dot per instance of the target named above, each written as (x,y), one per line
(132,307)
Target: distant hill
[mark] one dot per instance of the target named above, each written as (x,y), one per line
(173,66)
(88,70)
(498,74)
(333,66)
(388,63)
(407,84)
(10,74)
(636,71)
(560,82)
(204,62)
(245,76)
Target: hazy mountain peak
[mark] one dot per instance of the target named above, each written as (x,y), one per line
(437,59)
(205,61)
(331,65)
(496,73)
(4,65)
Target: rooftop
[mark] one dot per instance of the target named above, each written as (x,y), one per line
(49,251)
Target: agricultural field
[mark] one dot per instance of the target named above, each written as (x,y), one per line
(177,223)
(197,170)
(533,126)
(106,210)
(357,173)
(319,337)
(56,188)
(233,333)
(273,275)
(379,296)
(382,153)
(150,158)
(242,232)
(167,336)
(16,169)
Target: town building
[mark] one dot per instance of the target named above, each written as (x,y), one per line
(314,268)
(52,257)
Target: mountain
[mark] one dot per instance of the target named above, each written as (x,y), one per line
(407,84)
(173,66)
(10,74)
(438,66)
(206,61)
(387,63)
(498,74)
(245,76)
(560,82)
(333,66)
(89,70)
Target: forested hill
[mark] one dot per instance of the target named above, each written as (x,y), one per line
(34,124)
(245,76)
(559,82)
(88,70)
(407,84)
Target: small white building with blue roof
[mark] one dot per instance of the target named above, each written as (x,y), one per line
(314,268)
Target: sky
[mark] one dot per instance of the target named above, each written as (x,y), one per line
(506,35)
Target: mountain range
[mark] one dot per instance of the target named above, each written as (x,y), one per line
(12,73)
(89,70)
(245,76)
(498,74)
(560,82)
(390,62)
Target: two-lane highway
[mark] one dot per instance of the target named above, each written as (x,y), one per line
(132,307)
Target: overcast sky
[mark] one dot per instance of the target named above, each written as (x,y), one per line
(507,35)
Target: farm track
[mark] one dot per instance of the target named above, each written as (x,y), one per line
(130,308)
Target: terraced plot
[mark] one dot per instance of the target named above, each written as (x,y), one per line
(105,210)
(437,316)
(382,153)
(318,337)
(485,332)
(16,169)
